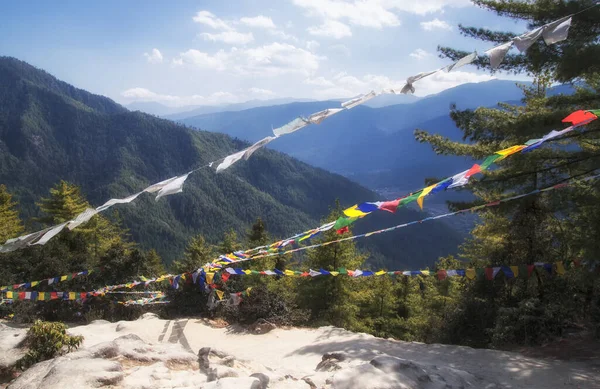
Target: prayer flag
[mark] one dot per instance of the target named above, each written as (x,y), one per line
(368,207)
(230,160)
(442,274)
(515,271)
(560,268)
(470,273)
(579,118)
(380,273)
(443,185)
(508,272)
(344,222)
(354,212)
(523,42)
(173,187)
(220,294)
(462,62)
(424,193)
(498,53)
(509,151)
(557,31)
(72,295)
(342,230)
(290,127)
(409,199)
(390,206)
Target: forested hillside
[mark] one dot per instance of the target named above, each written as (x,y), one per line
(51,131)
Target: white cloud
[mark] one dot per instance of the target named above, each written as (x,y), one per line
(270,60)
(261,92)
(419,54)
(229,37)
(210,20)
(340,49)
(441,81)
(331,28)
(366,13)
(344,85)
(154,57)
(312,45)
(259,21)
(436,24)
(143,94)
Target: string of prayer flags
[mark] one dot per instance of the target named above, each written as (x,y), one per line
(359,100)
(318,117)
(173,187)
(462,62)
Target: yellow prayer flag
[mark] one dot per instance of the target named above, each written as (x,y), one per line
(41,296)
(334,273)
(471,274)
(248,291)
(9,295)
(209,278)
(220,294)
(63,278)
(424,193)
(354,212)
(560,268)
(183,277)
(509,151)
(289,272)
(425,272)
(143,278)
(515,270)
(380,273)
(72,296)
(248,272)
(34,283)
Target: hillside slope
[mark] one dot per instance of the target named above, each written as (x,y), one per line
(50,130)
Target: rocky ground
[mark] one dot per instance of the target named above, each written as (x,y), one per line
(151,353)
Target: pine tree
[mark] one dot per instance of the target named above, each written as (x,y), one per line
(332,298)
(65,203)
(553,226)
(257,236)
(10,223)
(197,254)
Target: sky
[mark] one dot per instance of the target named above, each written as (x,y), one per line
(226,51)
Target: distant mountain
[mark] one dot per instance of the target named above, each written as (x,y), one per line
(50,130)
(157,109)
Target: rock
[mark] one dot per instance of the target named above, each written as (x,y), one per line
(225,371)
(158,375)
(10,341)
(339,355)
(234,383)
(261,326)
(263,378)
(330,361)
(149,316)
(203,361)
(397,365)
(309,382)
(228,361)
(63,373)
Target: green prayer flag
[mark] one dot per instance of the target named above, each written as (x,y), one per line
(342,270)
(344,222)
(595,111)
(409,199)
(523,271)
(480,272)
(489,160)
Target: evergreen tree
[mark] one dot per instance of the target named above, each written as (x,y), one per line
(65,203)
(197,254)
(553,226)
(257,236)
(10,223)
(330,298)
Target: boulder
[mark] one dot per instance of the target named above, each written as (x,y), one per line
(261,326)
(10,341)
(263,378)
(234,383)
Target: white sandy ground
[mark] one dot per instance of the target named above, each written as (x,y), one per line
(297,352)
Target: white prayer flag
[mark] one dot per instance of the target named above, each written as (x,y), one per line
(557,31)
(82,218)
(463,61)
(250,150)
(523,42)
(129,199)
(459,179)
(175,186)
(498,53)
(230,160)
(359,100)
(292,126)
(51,234)
(318,117)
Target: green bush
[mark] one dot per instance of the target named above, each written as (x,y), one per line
(47,340)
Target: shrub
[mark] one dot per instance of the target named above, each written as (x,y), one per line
(47,340)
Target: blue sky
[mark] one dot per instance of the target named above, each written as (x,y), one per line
(221,51)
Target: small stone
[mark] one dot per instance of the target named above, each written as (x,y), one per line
(263,378)
(228,361)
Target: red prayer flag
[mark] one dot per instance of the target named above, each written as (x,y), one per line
(390,206)
(83,295)
(473,170)
(580,117)
(342,230)
(225,276)
(489,273)
(442,274)
(21,295)
(53,296)
(305,274)
(530,270)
